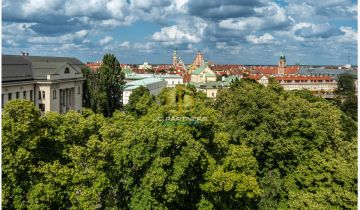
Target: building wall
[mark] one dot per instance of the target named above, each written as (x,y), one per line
(202,79)
(210,93)
(172,82)
(49,102)
(154,89)
(316,86)
(14,88)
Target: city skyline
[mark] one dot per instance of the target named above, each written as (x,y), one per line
(227,32)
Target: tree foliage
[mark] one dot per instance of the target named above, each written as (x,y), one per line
(256,147)
(346,98)
(296,140)
(103,92)
(140,101)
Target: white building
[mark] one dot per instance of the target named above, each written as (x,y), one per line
(52,83)
(317,84)
(154,85)
(145,66)
(171,80)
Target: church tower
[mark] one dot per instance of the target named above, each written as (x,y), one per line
(282,64)
(199,59)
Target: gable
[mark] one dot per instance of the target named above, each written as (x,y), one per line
(65,68)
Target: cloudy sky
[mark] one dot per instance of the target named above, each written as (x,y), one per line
(227,31)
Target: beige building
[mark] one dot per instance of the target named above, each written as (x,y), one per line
(203,74)
(316,84)
(52,83)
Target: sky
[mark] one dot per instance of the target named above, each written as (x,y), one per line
(314,32)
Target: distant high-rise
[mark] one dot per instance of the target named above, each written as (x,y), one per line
(282,64)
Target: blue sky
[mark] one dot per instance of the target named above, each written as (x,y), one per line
(227,31)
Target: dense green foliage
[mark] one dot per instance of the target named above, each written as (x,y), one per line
(255,147)
(103,90)
(140,101)
(346,98)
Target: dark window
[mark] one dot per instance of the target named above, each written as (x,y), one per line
(54,94)
(39,94)
(42,107)
(9,96)
(31,95)
(67,70)
(43,94)
(17,95)
(24,95)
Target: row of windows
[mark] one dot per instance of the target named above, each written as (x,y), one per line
(173,82)
(17,96)
(24,95)
(54,94)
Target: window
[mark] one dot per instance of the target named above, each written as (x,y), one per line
(17,95)
(43,94)
(67,70)
(212,94)
(173,82)
(54,94)
(39,94)
(31,95)
(42,107)
(24,95)
(79,90)
(9,96)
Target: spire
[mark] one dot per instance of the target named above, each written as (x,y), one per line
(282,56)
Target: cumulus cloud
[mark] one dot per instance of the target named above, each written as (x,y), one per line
(76,37)
(222,9)
(264,39)
(228,26)
(182,33)
(125,44)
(106,40)
(309,30)
(268,17)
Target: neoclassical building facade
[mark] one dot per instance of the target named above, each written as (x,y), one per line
(51,83)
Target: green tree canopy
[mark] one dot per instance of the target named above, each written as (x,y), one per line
(105,87)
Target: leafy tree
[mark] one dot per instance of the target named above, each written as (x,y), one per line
(87,87)
(285,130)
(140,101)
(346,84)
(346,98)
(20,123)
(106,87)
(256,147)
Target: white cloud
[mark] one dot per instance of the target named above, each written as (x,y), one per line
(33,7)
(105,40)
(78,36)
(264,39)
(266,18)
(125,44)
(182,33)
